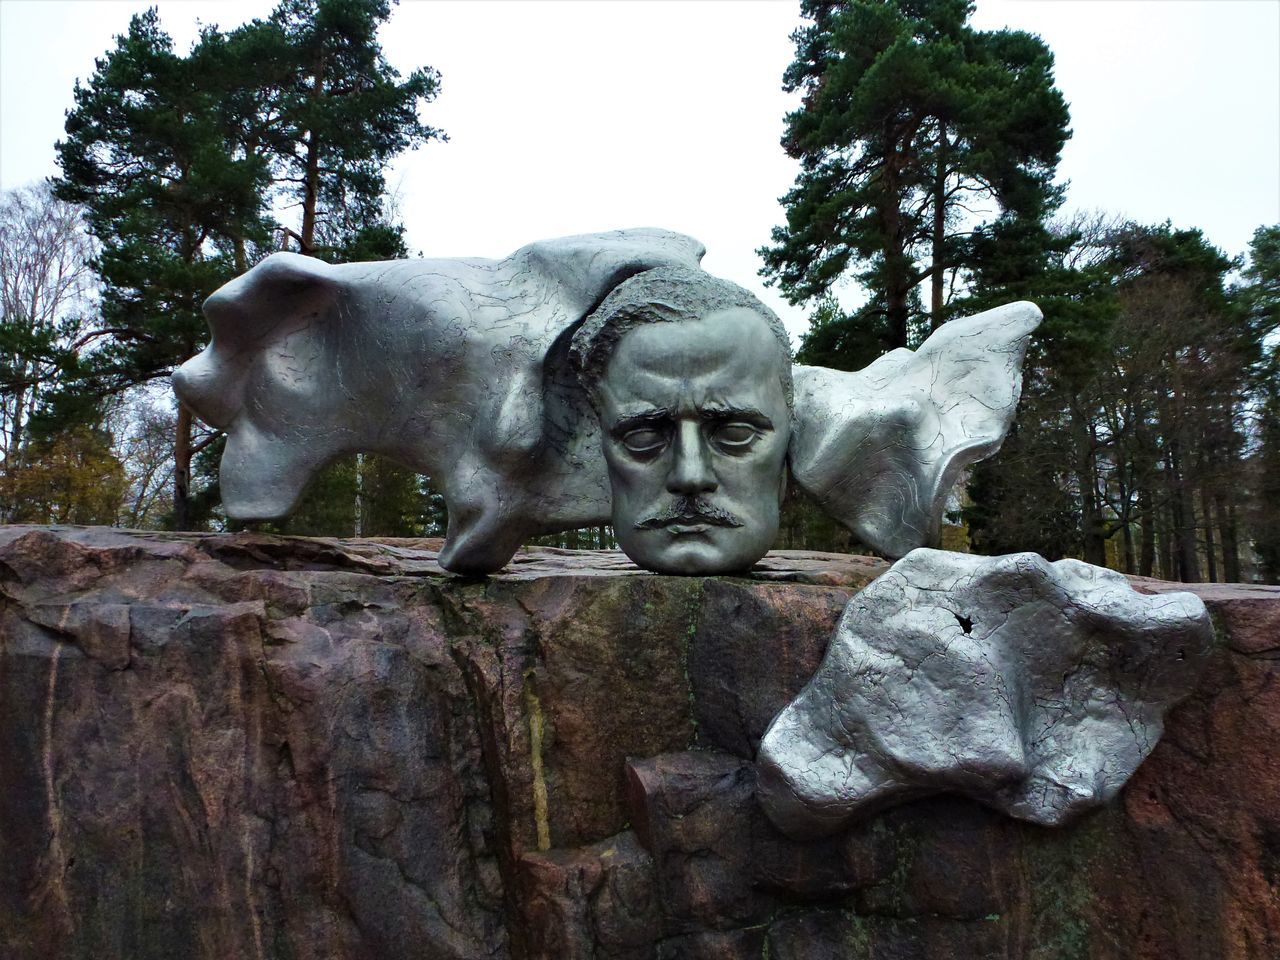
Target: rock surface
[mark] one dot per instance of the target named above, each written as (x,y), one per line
(248,746)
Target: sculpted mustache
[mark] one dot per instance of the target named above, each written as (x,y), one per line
(690,510)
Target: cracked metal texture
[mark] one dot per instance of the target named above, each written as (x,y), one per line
(880,449)
(460,369)
(452,367)
(1035,688)
(691,377)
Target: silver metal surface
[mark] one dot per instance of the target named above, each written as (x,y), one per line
(691,377)
(880,449)
(461,370)
(452,367)
(1036,688)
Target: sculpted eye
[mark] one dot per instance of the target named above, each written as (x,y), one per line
(644,440)
(735,437)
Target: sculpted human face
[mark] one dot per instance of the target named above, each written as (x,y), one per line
(695,428)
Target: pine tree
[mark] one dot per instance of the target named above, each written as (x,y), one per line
(1259,296)
(1265,521)
(179,161)
(330,113)
(909,118)
(1130,437)
(168,197)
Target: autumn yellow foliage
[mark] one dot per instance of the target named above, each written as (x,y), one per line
(73,478)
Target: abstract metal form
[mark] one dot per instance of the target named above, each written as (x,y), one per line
(1036,688)
(461,369)
(606,377)
(454,368)
(880,449)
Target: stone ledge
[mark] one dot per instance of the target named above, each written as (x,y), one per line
(249,746)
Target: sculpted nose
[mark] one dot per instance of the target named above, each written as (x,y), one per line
(691,472)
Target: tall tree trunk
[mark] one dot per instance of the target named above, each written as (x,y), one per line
(1092,539)
(1181,493)
(240,250)
(1211,562)
(1094,543)
(13,451)
(1184,518)
(1177,564)
(1227,533)
(939,230)
(310,200)
(1167,569)
(897,266)
(182,471)
(897,301)
(311,196)
(1124,498)
(1147,557)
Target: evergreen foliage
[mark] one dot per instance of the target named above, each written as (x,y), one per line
(928,151)
(169,199)
(1260,299)
(179,162)
(1132,432)
(913,125)
(1147,438)
(329,113)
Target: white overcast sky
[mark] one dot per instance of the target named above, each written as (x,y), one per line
(571,117)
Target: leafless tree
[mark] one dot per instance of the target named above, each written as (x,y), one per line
(142,423)
(46,290)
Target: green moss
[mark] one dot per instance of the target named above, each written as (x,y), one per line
(857,936)
(694,588)
(1061,864)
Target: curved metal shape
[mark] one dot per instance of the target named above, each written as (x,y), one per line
(456,368)
(1036,688)
(461,369)
(880,449)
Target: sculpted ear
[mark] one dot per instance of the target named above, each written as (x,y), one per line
(283,293)
(880,449)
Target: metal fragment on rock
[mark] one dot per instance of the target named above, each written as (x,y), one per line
(1036,688)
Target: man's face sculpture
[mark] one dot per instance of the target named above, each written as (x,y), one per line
(695,426)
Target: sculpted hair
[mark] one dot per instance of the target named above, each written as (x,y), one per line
(664,295)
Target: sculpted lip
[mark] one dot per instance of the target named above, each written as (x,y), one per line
(689,522)
(687,527)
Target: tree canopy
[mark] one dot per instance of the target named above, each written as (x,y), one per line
(182,162)
(923,144)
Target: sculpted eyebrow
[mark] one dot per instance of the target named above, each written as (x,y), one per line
(643,418)
(731,411)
